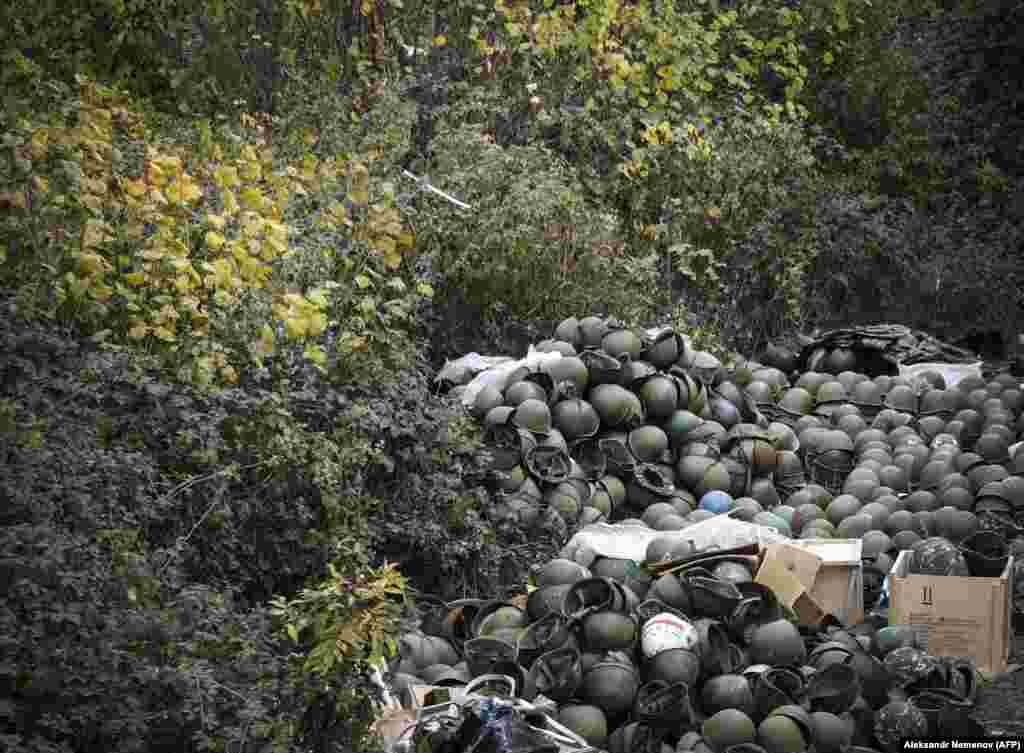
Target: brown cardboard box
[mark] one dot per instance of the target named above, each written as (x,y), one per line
(955,616)
(815,578)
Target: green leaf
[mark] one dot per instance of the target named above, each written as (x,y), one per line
(293,632)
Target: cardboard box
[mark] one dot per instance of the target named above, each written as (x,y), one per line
(955,616)
(816,578)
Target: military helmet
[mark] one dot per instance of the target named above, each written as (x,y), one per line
(611,686)
(557,674)
(522,390)
(487,398)
(901,398)
(797,401)
(908,666)
(592,331)
(647,443)
(576,419)
(728,727)
(898,721)
(729,691)
(780,734)
(608,630)
(831,391)
(760,392)
(937,556)
(586,720)
(615,404)
(831,733)
(638,737)
(622,342)
(533,415)
(659,395)
(484,652)
(666,348)
(779,644)
(571,370)
(602,368)
(568,330)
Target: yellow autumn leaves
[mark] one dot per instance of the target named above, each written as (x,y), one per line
(194,235)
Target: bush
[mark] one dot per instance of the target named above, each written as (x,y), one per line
(530,241)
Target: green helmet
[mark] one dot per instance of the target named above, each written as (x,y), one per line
(666,348)
(564,500)
(551,632)
(592,331)
(546,599)
(693,393)
(659,395)
(647,443)
(780,734)
(831,734)
(520,391)
(778,643)
(611,686)
(727,691)
(615,488)
(664,705)
(587,721)
(557,674)
(622,342)
(835,439)
(560,571)
(533,415)
(901,398)
(779,357)
(555,438)
(484,652)
(571,369)
(635,372)
(866,393)
(487,398)
(495,616)
(616,405)
(569,331)
(576,419)
(498,415)
(797,401)
(549,464)
(831,391)
(608,630)
(601,367)
(638,737)
(760,392)
(726,728)
(833,688)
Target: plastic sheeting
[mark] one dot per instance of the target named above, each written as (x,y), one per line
(630,541)
(497,374)
(953,373)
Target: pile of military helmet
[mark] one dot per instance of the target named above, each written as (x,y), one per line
(699,662)
(626,427)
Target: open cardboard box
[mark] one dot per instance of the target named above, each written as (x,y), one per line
(816,578)
(955,616)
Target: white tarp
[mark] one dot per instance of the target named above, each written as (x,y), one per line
(951,372)
(499,372)
(629,540)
